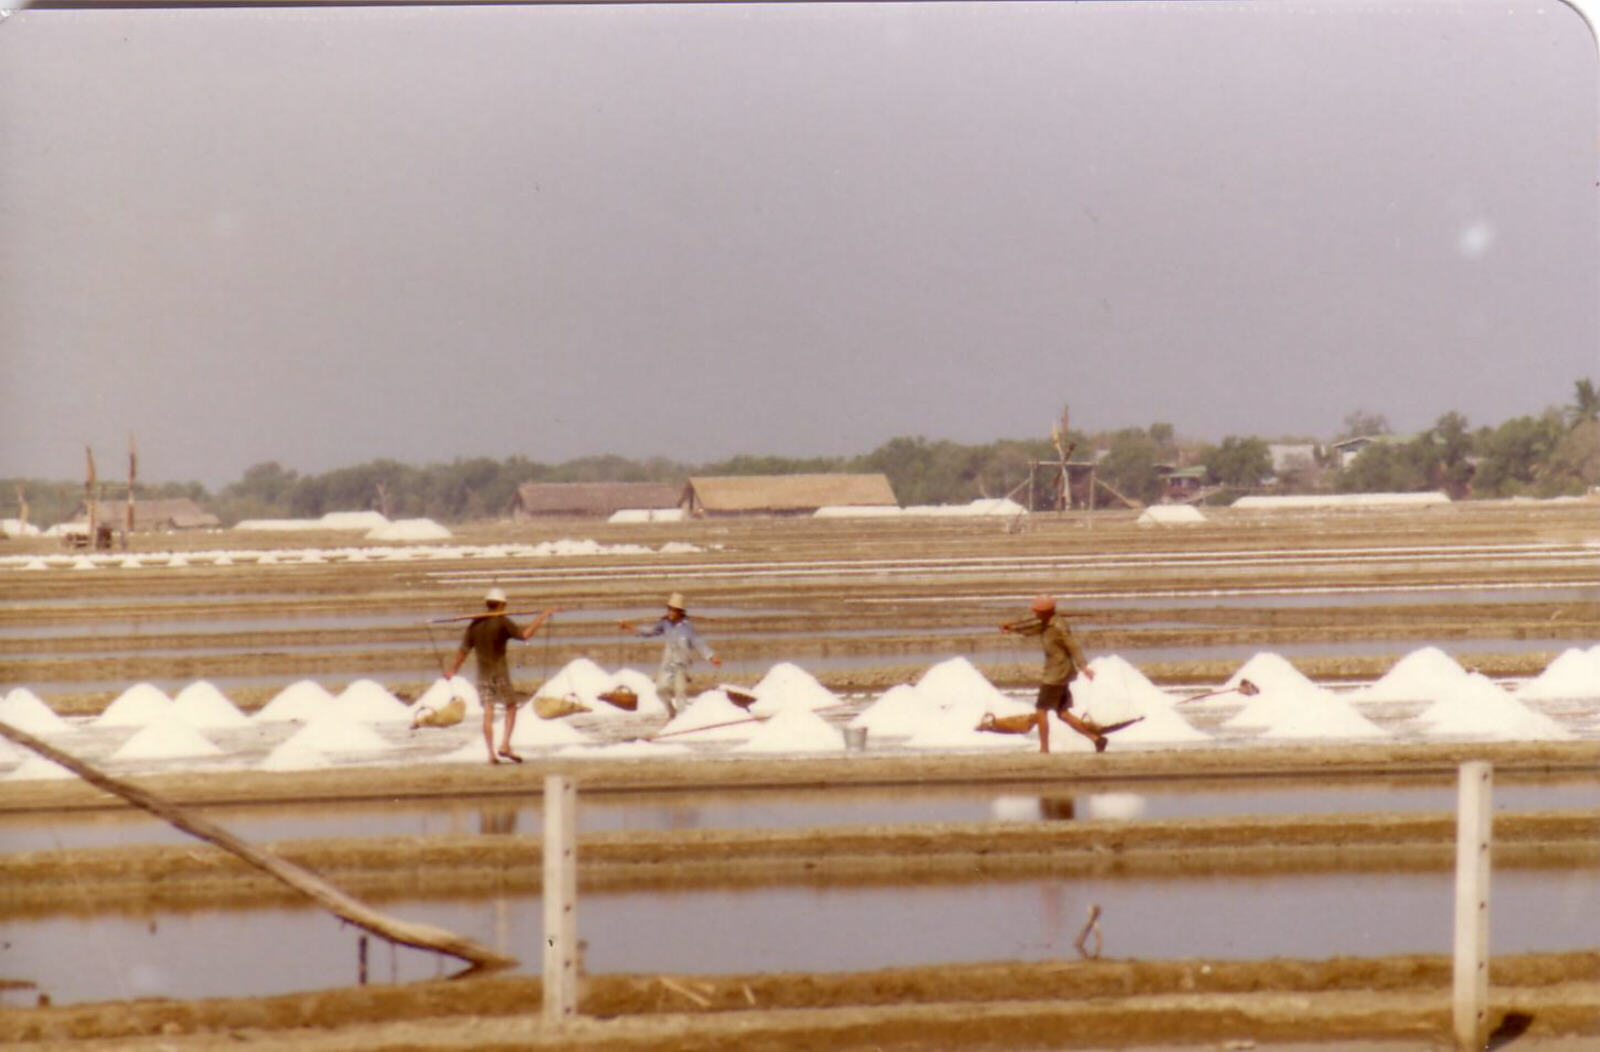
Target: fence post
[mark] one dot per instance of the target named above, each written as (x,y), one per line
(1473,833)
(560,899)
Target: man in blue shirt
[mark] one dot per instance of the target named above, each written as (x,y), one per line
(681,644)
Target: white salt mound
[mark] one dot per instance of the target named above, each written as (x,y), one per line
(352,520)
(794,730)
(370,702)
(702,720)
(1320,716)
(294,755)
(1120,807)
(956,729)
(12,754)
(787,686)
(135,707)
(1477,708)
(23,710)
(1573,674)
(202,705)
(581,677)
(1268,671)
(533,733)
(1419,676)
(899,712)
(409,530)
(166,738)
(302,700)
(336,732)
(442,691)
(1170,515)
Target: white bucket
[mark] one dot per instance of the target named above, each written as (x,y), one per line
(855,739)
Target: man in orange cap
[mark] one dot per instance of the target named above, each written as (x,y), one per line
(1062,660)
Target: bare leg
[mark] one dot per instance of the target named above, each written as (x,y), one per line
(1088,730)
(1041,719)
(510,724)
(488,729)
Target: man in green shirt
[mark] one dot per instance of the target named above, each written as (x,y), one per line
(1063,658)
(487,634)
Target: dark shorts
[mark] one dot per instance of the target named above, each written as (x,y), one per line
(498,692)
(1054,697)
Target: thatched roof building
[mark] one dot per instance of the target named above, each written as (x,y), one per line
(590,499)
(784,494)
(165,513)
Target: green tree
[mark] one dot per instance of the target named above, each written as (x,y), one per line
(1363,424)
(1239,462)
(1585,402)
(1130,465)
(1514,456)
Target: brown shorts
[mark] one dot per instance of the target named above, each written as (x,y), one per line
(1054,697)
(498,692)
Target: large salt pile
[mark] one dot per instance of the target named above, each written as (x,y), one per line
(580,677)
(787,686)
(408,530)
(794,730)
(12,754)
(166,738)
(711,717)
(294,755)
(335,732)
(1475,707)
(1573,674)
(1291,707)
(533,733)
(1170,515)
(898,713)
(959,697)
(135,707)
(442,691)
(369,701)
(302,700)
(1119,691)
(352,520)
(22,709)
(201,704)
(1419,676)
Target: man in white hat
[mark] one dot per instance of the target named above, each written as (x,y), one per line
(681,644)
(1063,658)
(487,634)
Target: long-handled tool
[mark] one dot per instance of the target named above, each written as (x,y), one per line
(1245,687)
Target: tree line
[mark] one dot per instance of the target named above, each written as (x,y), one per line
(1553,453)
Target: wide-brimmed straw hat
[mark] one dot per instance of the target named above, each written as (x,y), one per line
(495,595)
(675,601)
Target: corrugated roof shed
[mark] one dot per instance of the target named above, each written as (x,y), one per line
(785,494)
(590,498)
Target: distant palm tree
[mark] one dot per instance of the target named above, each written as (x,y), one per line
(1586,402)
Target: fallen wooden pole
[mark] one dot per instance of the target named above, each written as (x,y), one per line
(343,906)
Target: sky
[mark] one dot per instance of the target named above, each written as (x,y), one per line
(325,236)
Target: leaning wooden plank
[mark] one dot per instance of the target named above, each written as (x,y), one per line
(422,936)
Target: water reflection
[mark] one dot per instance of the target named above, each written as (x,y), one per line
(798,928)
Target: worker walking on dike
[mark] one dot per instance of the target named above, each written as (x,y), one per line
(487,634)
(681,644)
(1062,660)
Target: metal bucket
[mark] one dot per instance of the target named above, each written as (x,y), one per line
(855,739)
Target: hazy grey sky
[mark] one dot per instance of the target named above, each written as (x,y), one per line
(325,236)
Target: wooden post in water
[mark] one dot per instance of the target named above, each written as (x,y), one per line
(1473,833)
(560,899)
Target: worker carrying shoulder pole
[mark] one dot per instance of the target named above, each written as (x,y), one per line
(1062,660)
(681,644)
(488,634)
